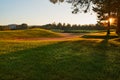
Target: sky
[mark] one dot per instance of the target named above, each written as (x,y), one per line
(40,12)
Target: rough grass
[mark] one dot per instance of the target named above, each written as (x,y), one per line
(67,60)
(30,33)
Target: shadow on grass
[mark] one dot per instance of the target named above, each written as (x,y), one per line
(99,36)
(69,60)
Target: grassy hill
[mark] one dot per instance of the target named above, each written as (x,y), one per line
(30,33)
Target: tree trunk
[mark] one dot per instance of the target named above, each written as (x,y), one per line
(108,28)
(118,26)
(109,11)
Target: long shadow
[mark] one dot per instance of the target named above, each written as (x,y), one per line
(29,64)
(68,60)
(99,37)
(102,57)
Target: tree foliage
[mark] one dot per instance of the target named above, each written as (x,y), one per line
(67,27)
(104,8)
(56,1)
(99,5)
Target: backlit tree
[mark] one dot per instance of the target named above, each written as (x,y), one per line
(104,8)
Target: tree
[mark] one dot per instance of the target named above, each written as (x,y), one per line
(107,9)
(22,26)
(104,9)
(56,1)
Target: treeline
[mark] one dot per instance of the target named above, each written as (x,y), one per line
(14,27)
(3,28)
(55,26)
(64,26)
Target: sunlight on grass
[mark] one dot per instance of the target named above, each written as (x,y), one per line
(30,33)
(101,35)
(63,60)
(115,41)
(8,46)
(90,57)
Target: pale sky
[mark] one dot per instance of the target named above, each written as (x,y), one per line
(39,12)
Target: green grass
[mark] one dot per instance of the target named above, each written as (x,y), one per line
(100,35)
(30,33)
(66,60)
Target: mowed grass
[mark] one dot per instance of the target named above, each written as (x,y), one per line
(30,33)
(63,60)
(100,35)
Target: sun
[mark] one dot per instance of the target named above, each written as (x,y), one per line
(111,20)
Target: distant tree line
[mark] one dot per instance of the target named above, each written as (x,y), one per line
(58,26)
(2,28)
(71,27)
